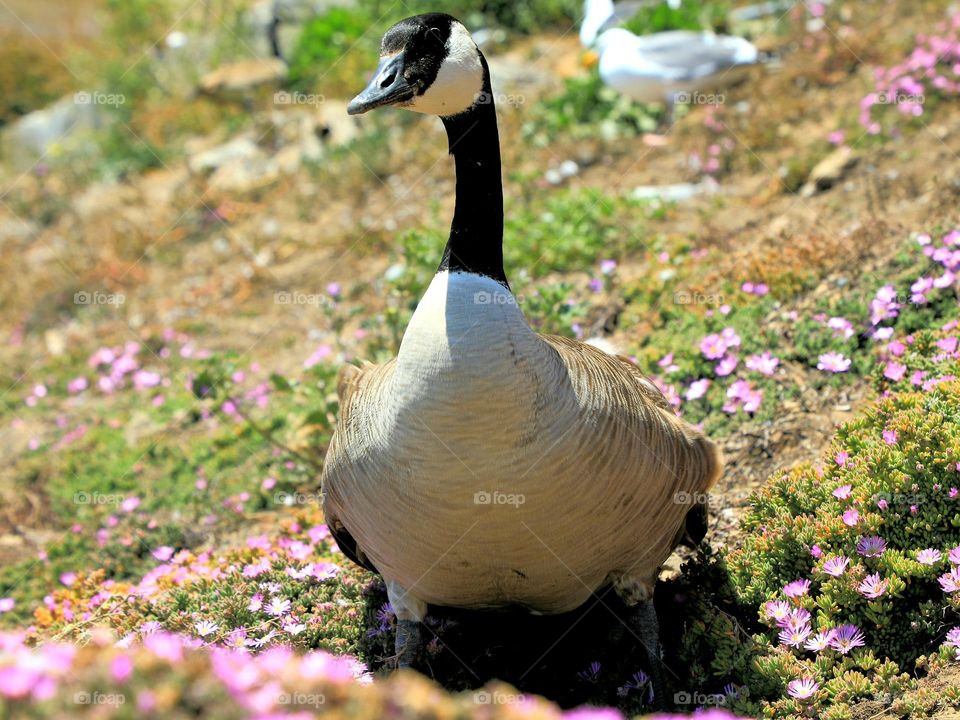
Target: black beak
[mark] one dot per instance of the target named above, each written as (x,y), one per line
(388,87)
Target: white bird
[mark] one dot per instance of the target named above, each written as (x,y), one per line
(668,67)
(486,465)
(600,15)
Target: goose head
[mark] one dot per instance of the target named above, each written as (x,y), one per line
(429,64)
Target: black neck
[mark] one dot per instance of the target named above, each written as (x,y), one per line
(476,234)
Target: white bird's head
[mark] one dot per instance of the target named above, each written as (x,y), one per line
(595,14)
(428,64)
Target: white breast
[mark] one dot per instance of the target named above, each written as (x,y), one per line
(467,331)
(480,468)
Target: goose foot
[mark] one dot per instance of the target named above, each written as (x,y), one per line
(407,644)
(648,630)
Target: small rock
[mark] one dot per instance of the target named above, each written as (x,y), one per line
(553,177)
(674,193)
(55,341)
(243,76)
(34,135)
(568,168)
(176,40)
(241,148)
(829,171)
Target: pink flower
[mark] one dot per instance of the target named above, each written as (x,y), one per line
(666,362)
(872,586)
(165,646)
(697,389)
(777,610)
(872,546)
(319,355)
(950,582)
(121,668)
(833,362)
(796,636)
(816,551)
(842,492)
(895,371)
(820,641)
(851,517)
(130,504)
(884,306)
(293,627)
(7,604)
(841,327)
(797,588)
(730,337)
(318,533)
(727,364)
(143,379)
(948,345)
(890,437)
(77,385)
(836,566)
(163,553)
(929,556)
(765,364)
(324,571)
(846,638)
(742,392)
(713,347)
(802,689)
(257,568)
(797,618)
(278,606)
(205,627)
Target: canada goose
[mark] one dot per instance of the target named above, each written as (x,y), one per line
(487,465)
(665,66)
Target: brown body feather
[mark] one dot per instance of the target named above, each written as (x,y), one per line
(607,473)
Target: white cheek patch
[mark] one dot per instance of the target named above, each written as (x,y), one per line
(459,81)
